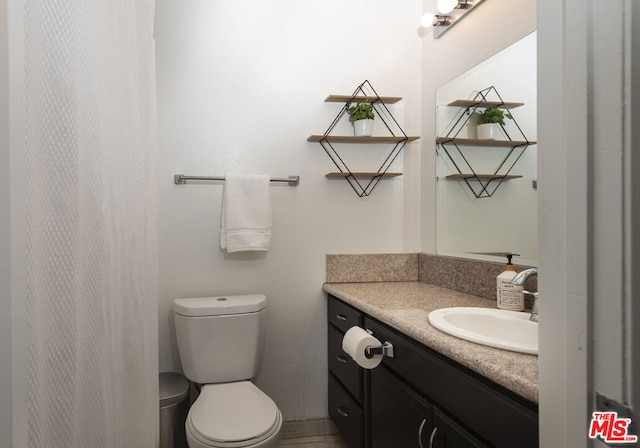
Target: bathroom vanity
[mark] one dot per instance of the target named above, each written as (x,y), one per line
(437,390)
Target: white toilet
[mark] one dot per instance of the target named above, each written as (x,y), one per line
(221,341)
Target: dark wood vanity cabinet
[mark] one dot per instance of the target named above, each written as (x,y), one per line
(418,398)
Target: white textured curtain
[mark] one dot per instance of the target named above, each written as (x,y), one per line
(91,250)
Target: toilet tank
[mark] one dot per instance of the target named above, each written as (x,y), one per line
(220,339)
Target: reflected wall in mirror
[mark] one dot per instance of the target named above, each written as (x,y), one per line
(506,221)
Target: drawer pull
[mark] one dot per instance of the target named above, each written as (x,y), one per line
(342,411)
(424,422)
(341,317)
(433,436)
(341,359)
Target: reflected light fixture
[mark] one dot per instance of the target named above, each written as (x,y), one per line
(449,13)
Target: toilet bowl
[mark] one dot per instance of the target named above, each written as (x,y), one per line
(233,415)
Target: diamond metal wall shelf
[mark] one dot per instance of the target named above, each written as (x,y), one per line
(363,183)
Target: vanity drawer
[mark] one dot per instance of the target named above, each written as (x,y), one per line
(346,414)
(495,414)
(342,366)
(341,315)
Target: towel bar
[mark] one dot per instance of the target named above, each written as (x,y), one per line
(181,179)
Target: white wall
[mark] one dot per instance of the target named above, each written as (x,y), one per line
(241,86)
(490,27)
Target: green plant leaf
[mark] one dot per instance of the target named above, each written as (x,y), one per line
(361,111)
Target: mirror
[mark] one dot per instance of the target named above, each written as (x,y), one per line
(506,221)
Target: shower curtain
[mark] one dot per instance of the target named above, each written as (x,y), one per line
(91,250)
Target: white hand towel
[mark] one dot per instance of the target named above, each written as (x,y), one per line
(246,214)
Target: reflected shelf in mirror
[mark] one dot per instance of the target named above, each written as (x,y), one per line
(484,104)
(484,143)
(482,176)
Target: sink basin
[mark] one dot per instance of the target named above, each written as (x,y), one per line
(508,330)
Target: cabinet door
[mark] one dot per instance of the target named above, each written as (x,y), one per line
(448,434)
(346,414)
(399,416)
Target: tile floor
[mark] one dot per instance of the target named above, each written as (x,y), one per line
(320,433)
(332,441)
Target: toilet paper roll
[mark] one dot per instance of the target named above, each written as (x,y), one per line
(355,342)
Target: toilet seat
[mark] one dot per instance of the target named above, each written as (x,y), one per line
(233,415)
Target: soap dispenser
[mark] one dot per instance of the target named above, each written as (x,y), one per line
(509,296)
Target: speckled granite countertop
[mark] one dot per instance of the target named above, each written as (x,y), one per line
(405,307)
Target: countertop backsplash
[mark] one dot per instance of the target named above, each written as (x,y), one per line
(364,268)
(459,274)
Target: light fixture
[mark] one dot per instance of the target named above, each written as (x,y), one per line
(430,19)
(427,19)
(440,20)
(446,6)
(450,12)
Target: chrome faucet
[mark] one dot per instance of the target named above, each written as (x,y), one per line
(519,280)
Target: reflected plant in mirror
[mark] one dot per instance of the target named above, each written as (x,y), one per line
(493,115)
(505,220)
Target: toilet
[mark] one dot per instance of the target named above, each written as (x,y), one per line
(221,342)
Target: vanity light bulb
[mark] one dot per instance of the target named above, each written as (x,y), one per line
(446,6)
(427,20)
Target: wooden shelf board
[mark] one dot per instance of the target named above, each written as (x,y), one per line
(361,98)
(482,176)
(498,104)
(477,142)
(361,174)
(352,139)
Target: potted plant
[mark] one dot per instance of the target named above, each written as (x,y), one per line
(489,121)
(361,116)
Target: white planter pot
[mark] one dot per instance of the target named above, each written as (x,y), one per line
(488,131)
(363,128)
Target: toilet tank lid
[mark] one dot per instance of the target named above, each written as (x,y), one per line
(220,305)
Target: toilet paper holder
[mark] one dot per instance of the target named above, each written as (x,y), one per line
(385,350)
